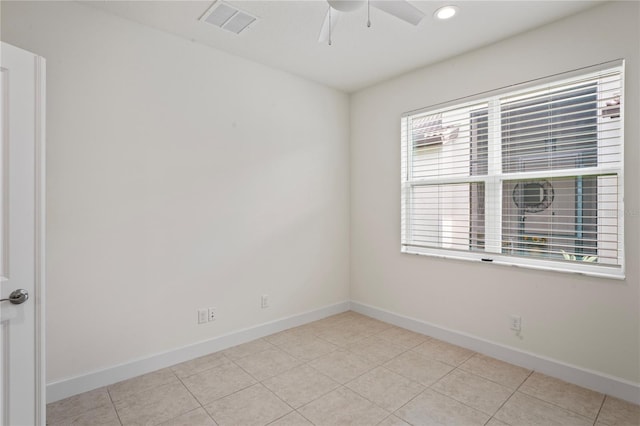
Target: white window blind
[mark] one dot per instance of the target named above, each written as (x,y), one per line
(530,176)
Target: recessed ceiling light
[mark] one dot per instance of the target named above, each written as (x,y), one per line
(446,12)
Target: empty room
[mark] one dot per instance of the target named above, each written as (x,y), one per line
(320,212)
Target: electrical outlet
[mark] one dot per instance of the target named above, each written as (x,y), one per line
(515,322)
(202,316)
(213,314)
(264,301)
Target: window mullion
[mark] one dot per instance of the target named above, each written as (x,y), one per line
(493,185)
(407,172)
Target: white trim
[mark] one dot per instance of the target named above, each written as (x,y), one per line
(565,267)
(40,220)
(493,185)
(464,101)
(621,246)
(590,379)
(72,386)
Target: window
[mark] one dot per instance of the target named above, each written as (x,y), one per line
(529,176)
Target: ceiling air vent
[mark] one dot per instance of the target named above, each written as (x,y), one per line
(227,17)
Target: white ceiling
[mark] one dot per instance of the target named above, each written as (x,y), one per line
(286,33)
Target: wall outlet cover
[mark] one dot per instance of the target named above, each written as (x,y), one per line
(202,316)
(515,322)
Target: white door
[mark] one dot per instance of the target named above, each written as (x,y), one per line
(21,237)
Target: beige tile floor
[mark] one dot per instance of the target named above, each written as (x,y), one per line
(347,369)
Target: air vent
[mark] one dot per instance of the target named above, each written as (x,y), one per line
(228,17)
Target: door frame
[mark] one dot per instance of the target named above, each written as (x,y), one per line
(40,227)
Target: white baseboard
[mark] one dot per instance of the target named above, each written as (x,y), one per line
(596,381)
(599,382)
(72,386)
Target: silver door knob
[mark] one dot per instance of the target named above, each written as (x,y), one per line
(17,297)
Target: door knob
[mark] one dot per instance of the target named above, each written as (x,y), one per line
(17,297)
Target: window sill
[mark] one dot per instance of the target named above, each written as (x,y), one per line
(591,270)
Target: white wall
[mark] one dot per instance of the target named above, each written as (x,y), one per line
(179,177)
(588,322)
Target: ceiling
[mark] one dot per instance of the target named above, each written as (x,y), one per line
(286,34)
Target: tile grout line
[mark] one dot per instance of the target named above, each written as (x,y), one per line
(224,396)
(159,386)
(85,411)
(372,402)
(251,354)
(384,419)
(600,410)
(493,416)
(461,367)
(461,402)
(425,387)
(279,418)
(228,360)
(194,397)
(304,417)
(524,381)
(146,389)
(320,396)
(114,407)
(445,376)
(555,405)
(344,386)
(260,382)
(480,377)
(510,396)
(405,404)
(282,400)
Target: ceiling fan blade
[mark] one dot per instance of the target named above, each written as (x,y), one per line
(400,9)
(324,31)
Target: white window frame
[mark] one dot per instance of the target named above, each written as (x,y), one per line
(493,181)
